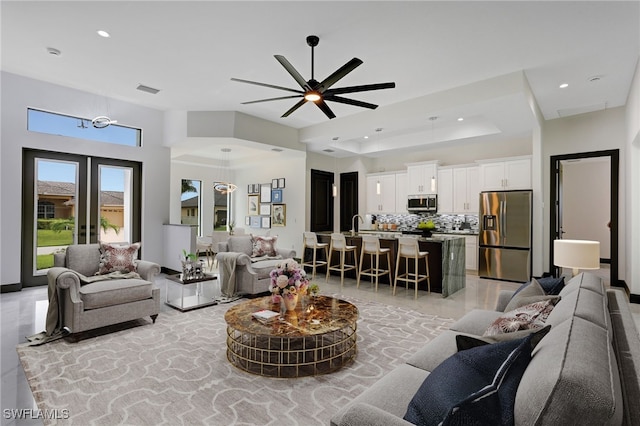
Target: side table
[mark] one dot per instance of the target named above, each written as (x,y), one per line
(185,295)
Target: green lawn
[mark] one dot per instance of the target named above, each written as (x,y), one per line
(48,238)
(44,261)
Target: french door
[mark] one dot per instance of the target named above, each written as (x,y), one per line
(74,199)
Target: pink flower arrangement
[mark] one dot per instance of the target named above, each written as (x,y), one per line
(288,280)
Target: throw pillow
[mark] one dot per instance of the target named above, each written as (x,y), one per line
(264,246)
(464,342)
(533,293)
(551,285)
(473,387)
(522,318)
(114,258)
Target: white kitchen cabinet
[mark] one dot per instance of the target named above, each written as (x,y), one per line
(465,190)
(505,175)
(471,252)
(420,177)
(385,202)
(401,193)
(445,190)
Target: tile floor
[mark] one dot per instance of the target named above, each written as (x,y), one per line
(23,314)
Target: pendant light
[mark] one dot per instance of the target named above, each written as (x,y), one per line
(223,185)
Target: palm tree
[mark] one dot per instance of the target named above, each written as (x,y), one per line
(187,186)
(105,225)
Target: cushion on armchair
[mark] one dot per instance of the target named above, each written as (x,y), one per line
(115,258)
(263,246)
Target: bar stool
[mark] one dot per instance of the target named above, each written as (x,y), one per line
(371,246)
(339,244)
(310,241)
(408,248)
(205,245)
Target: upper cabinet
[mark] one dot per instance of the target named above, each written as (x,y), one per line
(422,178)
(465,190)
(401,193)
(384,200)
(445,190)
(505,174)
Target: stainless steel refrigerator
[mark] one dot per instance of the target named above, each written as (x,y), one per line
(505,235)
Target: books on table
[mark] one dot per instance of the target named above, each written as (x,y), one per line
(265,316)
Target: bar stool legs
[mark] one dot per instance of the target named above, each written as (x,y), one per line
(408,248)
(310,240)
(339,244)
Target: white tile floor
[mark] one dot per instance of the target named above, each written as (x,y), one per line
(23,314)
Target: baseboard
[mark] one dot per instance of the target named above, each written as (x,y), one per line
(10,288)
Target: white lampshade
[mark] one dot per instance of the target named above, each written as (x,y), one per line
(576,254)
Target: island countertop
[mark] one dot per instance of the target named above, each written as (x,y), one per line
(446,257)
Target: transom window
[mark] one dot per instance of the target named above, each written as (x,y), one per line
(80,127)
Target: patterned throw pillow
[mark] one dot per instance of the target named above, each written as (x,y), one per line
(525,317)
(264,246)
(115,258)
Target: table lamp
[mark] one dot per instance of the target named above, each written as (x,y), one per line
(576,254)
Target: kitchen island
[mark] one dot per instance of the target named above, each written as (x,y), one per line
(446,259)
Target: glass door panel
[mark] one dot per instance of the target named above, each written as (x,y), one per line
(115,197)
(190,201)
(55,210)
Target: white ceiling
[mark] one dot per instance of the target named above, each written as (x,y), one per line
(448,60)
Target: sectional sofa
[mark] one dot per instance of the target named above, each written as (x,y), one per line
(585,370)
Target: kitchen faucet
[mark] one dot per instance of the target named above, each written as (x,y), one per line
(353,224)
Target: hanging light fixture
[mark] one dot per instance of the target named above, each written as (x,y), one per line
(433,184)
(223,185)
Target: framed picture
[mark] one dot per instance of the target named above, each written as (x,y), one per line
(255,221)
(253,205)
(265,209)
(281,183)
(256,188)
(265,193)
(278,214)
(274,183)
(276,195)
(266,221)
(247,220)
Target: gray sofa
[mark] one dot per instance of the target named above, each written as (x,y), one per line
(586,370)
(251,274)
(87,305)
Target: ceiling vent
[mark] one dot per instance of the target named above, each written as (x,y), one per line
(328,150)
(147,89)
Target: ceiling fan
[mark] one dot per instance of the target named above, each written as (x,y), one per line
(319,92)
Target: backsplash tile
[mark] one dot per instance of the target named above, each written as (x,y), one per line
(443,222)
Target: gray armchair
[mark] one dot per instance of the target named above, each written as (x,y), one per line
(86,302)
(251,274)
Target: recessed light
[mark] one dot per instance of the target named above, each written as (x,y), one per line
(335,138)
(103,33)
(366,137)
(564,85)
(594,78)
(460,119)
(53,51)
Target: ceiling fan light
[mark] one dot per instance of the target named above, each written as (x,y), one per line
(312,96)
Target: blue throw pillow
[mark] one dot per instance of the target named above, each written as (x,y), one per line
(551,285)
(473,387)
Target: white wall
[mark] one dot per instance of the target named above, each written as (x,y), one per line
(18,93)
(632,193)
(596,131)
(584,183)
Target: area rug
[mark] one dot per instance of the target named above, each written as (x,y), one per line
(176,372)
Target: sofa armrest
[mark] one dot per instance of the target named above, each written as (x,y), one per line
(503,299)
(368,415)
(147,270)
(59,258)
(286,253)
(223,247)
(66,279)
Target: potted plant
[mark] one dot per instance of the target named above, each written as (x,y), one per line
(426,227)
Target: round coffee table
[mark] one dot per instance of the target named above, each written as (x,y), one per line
(319,337)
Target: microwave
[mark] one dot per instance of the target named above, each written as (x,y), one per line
(422,203)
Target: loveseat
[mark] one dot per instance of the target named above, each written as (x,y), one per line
(87,299)
(585,370)
(251,259)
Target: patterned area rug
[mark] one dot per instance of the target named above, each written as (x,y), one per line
(176,372)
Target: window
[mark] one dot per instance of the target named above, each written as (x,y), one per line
(79,127)
(46,210)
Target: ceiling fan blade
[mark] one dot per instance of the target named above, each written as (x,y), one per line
(267,85)
(271,99)
(363,88)
(349,101)
(294,73)
(295,107)
(325,108)
(338,74)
